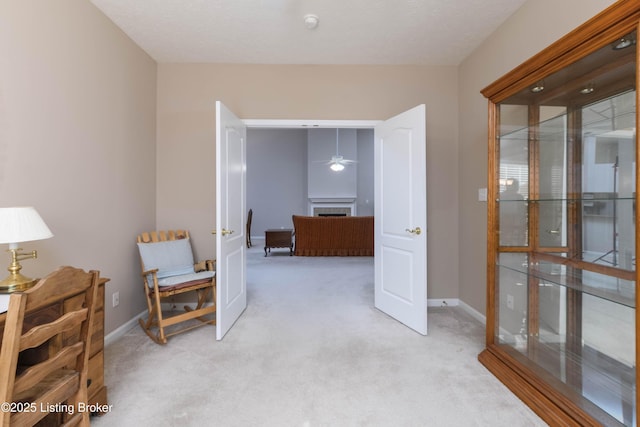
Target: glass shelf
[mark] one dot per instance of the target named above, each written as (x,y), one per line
(548,129)
(616,290)
(601,380)
(567,200)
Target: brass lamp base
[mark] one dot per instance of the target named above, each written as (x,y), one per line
(16,283)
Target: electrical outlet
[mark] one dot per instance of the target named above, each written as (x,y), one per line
(116,298)
(510,302)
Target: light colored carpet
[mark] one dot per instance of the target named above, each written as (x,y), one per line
(310,350)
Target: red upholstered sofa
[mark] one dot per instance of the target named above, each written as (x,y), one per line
(333,236)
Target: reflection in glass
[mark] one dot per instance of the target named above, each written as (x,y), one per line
(608,181)
(514,175)
(608,360)
(513,215)
(512,297)
(553,178)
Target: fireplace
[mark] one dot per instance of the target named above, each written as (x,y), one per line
(342,207)
(331,211)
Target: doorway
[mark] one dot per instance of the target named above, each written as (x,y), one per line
(278,163)
(401,211)
(284,178)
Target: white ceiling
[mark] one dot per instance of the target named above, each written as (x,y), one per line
(425,32)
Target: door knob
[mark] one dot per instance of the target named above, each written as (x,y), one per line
(224,232)
(416,230)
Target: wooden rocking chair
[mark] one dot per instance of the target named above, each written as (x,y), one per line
(168,269)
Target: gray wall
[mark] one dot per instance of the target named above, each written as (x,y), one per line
(277,175)
(322,181)
(365,201)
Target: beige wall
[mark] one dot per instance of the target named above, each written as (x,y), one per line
(77,140)
(534,26)
(78,135)
(186,135)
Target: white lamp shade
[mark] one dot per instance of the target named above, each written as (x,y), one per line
(22,224)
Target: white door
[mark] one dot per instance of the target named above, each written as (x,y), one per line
(231,187)
(401,218)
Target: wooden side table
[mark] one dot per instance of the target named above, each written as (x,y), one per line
(278,238)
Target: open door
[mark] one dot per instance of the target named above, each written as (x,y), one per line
(231,279)
(400,218)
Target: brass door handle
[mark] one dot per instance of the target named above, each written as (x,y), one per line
(224,232)
(416,230)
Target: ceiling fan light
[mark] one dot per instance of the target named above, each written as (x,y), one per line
(337,167)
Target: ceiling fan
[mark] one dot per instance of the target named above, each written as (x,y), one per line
(338,162)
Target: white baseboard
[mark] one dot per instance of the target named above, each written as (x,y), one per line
(114,335)
(474,313)
(117,333)
(434,302)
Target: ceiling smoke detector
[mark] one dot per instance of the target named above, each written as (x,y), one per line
(311,21)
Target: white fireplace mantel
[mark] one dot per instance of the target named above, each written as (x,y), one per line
(332,199)
(336,202)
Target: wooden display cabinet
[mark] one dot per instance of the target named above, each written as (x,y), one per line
(562,225)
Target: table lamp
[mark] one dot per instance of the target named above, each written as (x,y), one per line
(21,224)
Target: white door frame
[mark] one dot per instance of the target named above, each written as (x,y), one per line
(310,124)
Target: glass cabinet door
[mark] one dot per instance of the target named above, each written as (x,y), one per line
(552,177)
(608,181)
(565,277)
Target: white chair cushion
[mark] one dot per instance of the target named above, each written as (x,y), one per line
(175,280)
(171,258)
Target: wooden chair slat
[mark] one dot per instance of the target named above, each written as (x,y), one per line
(37,373)
(67,282)
(39,334)
(57,389)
